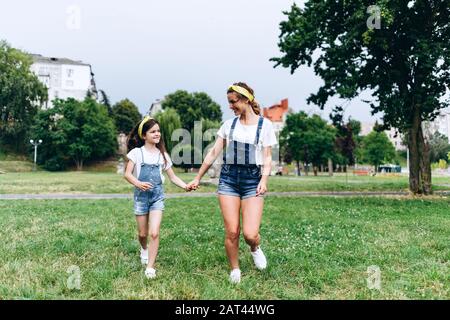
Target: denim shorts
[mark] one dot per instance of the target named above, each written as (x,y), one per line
(239,180)
(144,202)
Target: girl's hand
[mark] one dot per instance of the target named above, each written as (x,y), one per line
(194,184)
(261,189)
(144,186)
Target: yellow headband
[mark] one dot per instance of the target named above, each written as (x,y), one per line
(242,91)
(147,118)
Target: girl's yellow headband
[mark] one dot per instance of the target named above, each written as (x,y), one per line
(242,91)
(147,118)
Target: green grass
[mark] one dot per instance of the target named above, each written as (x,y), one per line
(318,248)
(95,182)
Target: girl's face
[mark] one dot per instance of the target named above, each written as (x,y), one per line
(153,135)
(238,106)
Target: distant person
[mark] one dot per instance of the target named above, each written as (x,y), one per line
(249,139)
(147,160)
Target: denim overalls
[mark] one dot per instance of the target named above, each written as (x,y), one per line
(152,199)
(240,175)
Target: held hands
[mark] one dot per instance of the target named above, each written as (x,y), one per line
(144,186)
(193,185)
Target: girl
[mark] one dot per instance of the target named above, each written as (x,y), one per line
(147,159)
(249,139)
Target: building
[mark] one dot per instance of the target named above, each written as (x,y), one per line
(277,114)
(64,78)
(155,107)
(441,124)
(394,136)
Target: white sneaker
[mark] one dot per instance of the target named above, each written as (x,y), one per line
(150,273)
(144,256)
(235,276)
(259,259)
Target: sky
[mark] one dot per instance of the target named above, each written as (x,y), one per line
(145,49)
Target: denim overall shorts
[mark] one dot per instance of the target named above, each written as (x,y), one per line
(240,175)
(152,199)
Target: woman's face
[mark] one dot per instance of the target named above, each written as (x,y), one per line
(238,106)
(153,135)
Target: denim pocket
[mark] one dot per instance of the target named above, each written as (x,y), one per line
(225,169)
(254,172)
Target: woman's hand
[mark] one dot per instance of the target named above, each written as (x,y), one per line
(194,184)
(144,186)
(262,188)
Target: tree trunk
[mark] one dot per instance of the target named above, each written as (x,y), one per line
(298,167)
(419,162)
(79,164)
(330,167)
(315,170)
(306,169)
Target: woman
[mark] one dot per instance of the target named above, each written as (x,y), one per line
(249,139)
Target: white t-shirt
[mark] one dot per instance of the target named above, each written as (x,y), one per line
(135,155)
(247,134)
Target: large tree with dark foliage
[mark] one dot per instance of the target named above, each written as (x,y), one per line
(404,61)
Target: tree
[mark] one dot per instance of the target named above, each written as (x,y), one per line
(169,121)
(74,132)
(308,139)
(346,136)
(405,63)
(192,107)
(439,147)
(126,115)
(21,96)
(104,99)
(377,149)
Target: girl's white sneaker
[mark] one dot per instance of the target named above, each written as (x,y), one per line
(259,259)
(144,256)
(150,273)
(235,276)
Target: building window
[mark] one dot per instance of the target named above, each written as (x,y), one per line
(69,83)
(69,73)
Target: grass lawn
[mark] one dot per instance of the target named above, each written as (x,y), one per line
(318,248)
(94,182)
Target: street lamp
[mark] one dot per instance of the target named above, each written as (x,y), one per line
(35,144)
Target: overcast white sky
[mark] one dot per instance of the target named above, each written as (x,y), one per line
(144,50)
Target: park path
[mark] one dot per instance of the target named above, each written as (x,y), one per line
(209,194)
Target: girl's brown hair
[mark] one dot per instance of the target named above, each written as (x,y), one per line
(134,141)
(255,105)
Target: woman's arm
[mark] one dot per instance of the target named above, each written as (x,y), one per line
(267,167)
(211,156)
(128,175)
(176,180)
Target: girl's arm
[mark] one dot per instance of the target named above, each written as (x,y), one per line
(212,155)
(267,167)
(128,175)
(176,180)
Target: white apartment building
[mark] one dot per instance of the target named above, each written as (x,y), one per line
(394,136)
(64,78)
(155,107)
(441,124)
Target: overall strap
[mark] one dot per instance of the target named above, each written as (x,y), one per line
(258,131)
(233,125)
(230,138)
